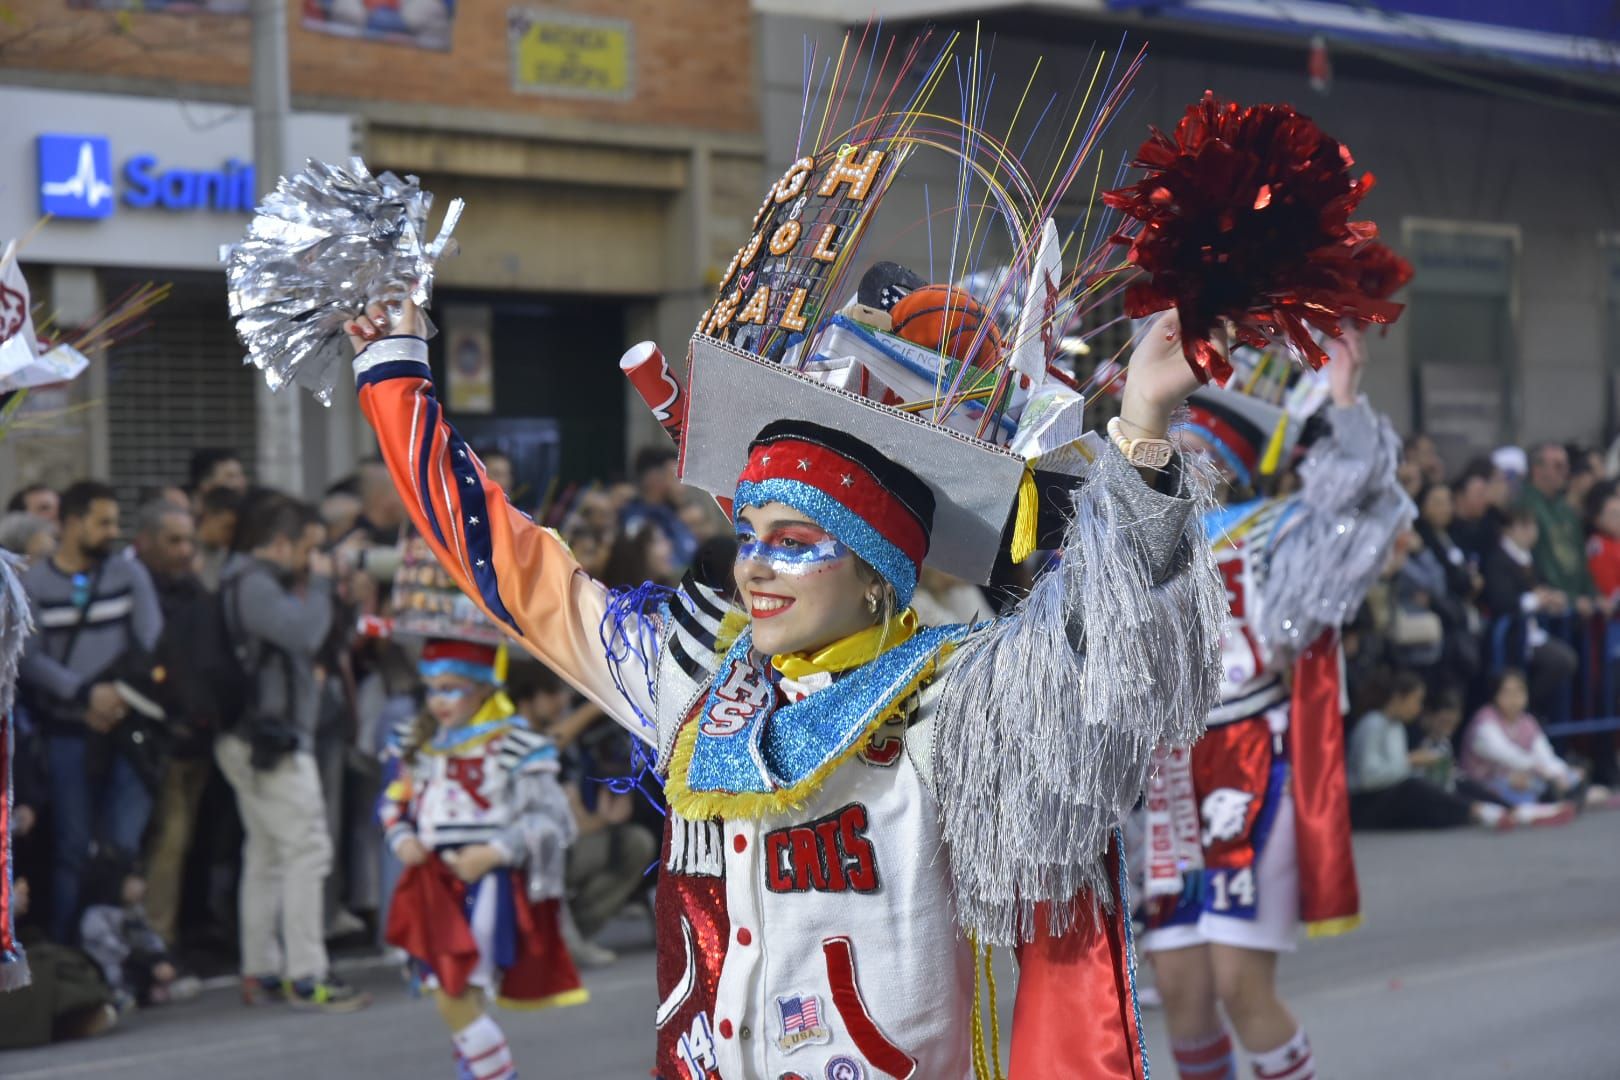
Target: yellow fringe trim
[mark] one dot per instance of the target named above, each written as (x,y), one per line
(1333,927)
(732,624)
(556,1001)
(703,805)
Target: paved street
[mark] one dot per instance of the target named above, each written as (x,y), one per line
(1483,957)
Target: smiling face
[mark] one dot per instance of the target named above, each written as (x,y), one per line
(801,587)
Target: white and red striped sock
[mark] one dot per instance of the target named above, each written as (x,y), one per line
(1208,1057)
(483,1049)
(1290,1061)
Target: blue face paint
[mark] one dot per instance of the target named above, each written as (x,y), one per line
(449,693)
(795,549)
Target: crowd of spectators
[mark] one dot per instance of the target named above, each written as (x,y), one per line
(203,710)
(1493,628)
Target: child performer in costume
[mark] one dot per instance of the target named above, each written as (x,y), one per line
(848,791)
(1250,833)
(474,811)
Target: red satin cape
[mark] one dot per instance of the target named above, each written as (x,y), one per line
(1075,1016)
(426,920)
(1329,898)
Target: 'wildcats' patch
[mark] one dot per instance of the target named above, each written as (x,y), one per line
(830,854)
(802,1023)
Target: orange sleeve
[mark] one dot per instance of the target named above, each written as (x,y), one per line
(521,574)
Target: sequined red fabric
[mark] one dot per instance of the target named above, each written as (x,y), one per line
(692,934)
(1244,215)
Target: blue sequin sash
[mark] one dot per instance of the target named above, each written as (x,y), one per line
(783,745)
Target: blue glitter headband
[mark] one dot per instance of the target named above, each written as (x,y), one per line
(476,672)
(848,527)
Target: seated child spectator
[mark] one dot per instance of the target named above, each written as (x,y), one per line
(115,932)
(1386,790)
(66,998)
(1505,751)
(1442,719)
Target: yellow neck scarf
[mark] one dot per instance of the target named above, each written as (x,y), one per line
(859,648)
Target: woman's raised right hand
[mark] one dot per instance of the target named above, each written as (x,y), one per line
(375,323)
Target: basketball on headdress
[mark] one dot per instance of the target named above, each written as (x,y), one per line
(947,319)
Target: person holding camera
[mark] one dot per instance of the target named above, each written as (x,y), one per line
(96,618)
(277,601)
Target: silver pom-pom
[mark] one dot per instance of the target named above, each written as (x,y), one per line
(326,243)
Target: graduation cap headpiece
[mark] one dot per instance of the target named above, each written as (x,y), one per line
(903,413)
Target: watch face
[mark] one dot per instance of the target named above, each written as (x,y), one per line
(1151,453)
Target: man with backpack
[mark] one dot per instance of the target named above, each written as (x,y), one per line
(97,619)
(277,603)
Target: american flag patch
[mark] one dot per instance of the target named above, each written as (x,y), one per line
(801,1022)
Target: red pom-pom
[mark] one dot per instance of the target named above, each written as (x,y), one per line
(1245,216)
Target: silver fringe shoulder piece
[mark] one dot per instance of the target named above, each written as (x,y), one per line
(326,243)
(16,625)
(1048,718)
(1330,544)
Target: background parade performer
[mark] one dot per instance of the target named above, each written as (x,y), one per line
(473,809)
(1262,805)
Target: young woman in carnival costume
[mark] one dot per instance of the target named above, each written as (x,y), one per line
(1249,833)
(473,809)
(858,804)
(846,786)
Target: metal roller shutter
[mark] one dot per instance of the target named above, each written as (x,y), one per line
(176,387)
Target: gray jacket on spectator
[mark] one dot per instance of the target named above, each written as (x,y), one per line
(122,616)
(265,611)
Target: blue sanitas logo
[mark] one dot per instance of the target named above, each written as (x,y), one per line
(75,176)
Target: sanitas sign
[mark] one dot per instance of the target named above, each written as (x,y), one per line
(76,181)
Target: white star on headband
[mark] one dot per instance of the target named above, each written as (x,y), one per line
(804,464)
(847,480)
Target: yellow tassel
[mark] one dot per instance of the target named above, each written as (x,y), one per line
(995,1020)
(503,662)
(981,1069)
(1274,449)
(1029,505)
